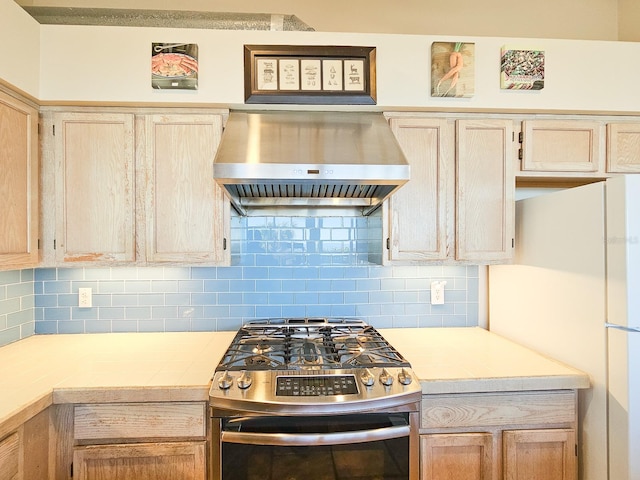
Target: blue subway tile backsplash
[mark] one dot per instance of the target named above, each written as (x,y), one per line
(384,296)
(281,267)
(17,305)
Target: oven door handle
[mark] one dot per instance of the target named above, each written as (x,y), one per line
(310,439)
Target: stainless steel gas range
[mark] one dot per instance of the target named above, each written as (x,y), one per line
(329,398)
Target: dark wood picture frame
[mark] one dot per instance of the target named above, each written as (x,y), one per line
(310,74)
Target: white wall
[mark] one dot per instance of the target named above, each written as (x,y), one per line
(58,63)
(111,64)
(576,19)
(19,37)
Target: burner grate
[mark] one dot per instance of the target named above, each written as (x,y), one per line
(309,344)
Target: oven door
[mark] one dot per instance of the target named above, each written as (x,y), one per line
(342,447)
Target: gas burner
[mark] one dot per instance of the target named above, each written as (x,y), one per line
(309,343)
(257,361)
(262,349)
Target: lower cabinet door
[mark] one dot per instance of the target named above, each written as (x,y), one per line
(143,461)
(460,456)
(9,456)
(537,454)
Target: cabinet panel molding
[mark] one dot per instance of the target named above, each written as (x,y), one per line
(140,420)
(95,167)
(421,212)
(36,447)
(485,190)
(9,456)
(500,409)
(19,184)
(145,461)
(623,147)
(536,454)
(467,456)
(561,146)
(185,208)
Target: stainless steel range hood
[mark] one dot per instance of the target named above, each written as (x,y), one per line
(309,159)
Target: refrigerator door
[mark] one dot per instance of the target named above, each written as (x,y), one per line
(623,319)
(554,299)
(623,250)
(624,404)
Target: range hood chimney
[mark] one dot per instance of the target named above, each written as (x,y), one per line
(309,160)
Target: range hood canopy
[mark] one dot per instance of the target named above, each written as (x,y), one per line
(309,159)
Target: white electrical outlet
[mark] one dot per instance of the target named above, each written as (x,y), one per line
(437,292)
(84,297)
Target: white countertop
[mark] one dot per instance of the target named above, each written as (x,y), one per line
(130,367)
(467,360)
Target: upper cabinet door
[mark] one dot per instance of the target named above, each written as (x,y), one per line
(18,184)
(186,212)
(419,212)
(623,147)
(95,187)
(485,190)
(561,146)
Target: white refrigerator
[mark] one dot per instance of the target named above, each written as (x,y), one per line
(573,293)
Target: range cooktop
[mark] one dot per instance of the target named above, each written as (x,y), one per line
(309,344)
(311,365)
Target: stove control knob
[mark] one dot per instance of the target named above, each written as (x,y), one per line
(225,381)
(366,377)
(386,378)
(244,380)
(405,377)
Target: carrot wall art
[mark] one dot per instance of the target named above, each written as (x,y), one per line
(452,69)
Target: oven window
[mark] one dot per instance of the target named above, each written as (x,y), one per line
(368,460)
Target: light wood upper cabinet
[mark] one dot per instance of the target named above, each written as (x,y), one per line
(185,210)
(132,187)
(562,146)
(623,147)
(459,204)
(418,214)
(19,185)
(485,190)
(95,187)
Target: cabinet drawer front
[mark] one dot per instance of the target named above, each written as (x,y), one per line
(139,420)
(9,449)
(454,411)
(561,146)
(142,461)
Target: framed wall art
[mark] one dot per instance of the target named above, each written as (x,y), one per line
(521,68)
(312,74)
(174,66)
(452,69)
